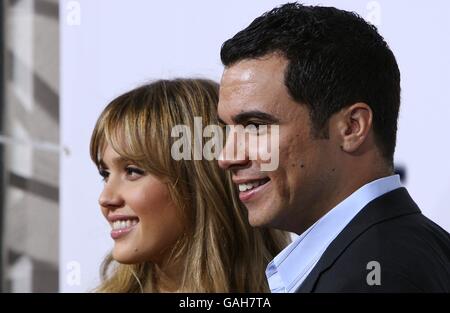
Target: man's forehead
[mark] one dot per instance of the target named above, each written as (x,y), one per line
(239,74)
(251,85)
(254,71)
(246,99)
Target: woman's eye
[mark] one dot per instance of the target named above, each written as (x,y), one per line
(103,173)
(134,172)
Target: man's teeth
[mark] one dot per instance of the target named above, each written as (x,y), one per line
(245,187)
(123,224)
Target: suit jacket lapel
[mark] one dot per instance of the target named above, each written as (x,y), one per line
(390,205)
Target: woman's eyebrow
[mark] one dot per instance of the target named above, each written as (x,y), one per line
(115,161)
(102,164)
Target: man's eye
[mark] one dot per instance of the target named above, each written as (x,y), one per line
(254,124)
(254,127)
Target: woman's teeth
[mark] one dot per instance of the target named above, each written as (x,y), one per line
(249,186)
(123,224)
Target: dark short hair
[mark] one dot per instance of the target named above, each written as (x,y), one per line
(335,59)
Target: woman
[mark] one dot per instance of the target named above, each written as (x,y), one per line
(177,225)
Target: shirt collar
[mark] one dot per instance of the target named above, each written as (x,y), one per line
(290,267)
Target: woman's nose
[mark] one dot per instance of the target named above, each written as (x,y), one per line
(110,197)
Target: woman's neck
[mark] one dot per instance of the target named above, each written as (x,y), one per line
(168,277)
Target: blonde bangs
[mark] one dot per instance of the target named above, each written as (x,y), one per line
(130,128)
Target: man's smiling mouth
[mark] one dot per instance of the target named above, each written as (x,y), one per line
(250,187)
(251,184)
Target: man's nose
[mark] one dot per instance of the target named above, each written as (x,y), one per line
(234,152)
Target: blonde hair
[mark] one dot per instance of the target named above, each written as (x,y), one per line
(220,251)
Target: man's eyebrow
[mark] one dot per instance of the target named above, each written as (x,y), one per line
(243,117)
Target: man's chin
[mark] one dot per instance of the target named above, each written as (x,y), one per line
(260,216)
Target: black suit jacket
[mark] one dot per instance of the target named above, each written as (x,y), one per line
(413,253)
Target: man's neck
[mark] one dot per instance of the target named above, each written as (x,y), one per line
(337,193)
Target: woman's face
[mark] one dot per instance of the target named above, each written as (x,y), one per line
(144,220)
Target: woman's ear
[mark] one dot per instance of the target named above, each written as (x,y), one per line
(354,124)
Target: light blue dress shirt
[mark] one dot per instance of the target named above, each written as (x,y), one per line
(287,271)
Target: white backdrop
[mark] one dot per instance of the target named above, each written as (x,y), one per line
(110,46)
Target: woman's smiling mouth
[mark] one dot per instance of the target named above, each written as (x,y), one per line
(122,225)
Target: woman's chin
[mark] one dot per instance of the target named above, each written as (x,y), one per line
(125,257)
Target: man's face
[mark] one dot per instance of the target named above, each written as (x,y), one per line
(252,91)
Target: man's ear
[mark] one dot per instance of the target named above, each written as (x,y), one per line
(354,125)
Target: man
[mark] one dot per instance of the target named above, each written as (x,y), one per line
(332,84)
